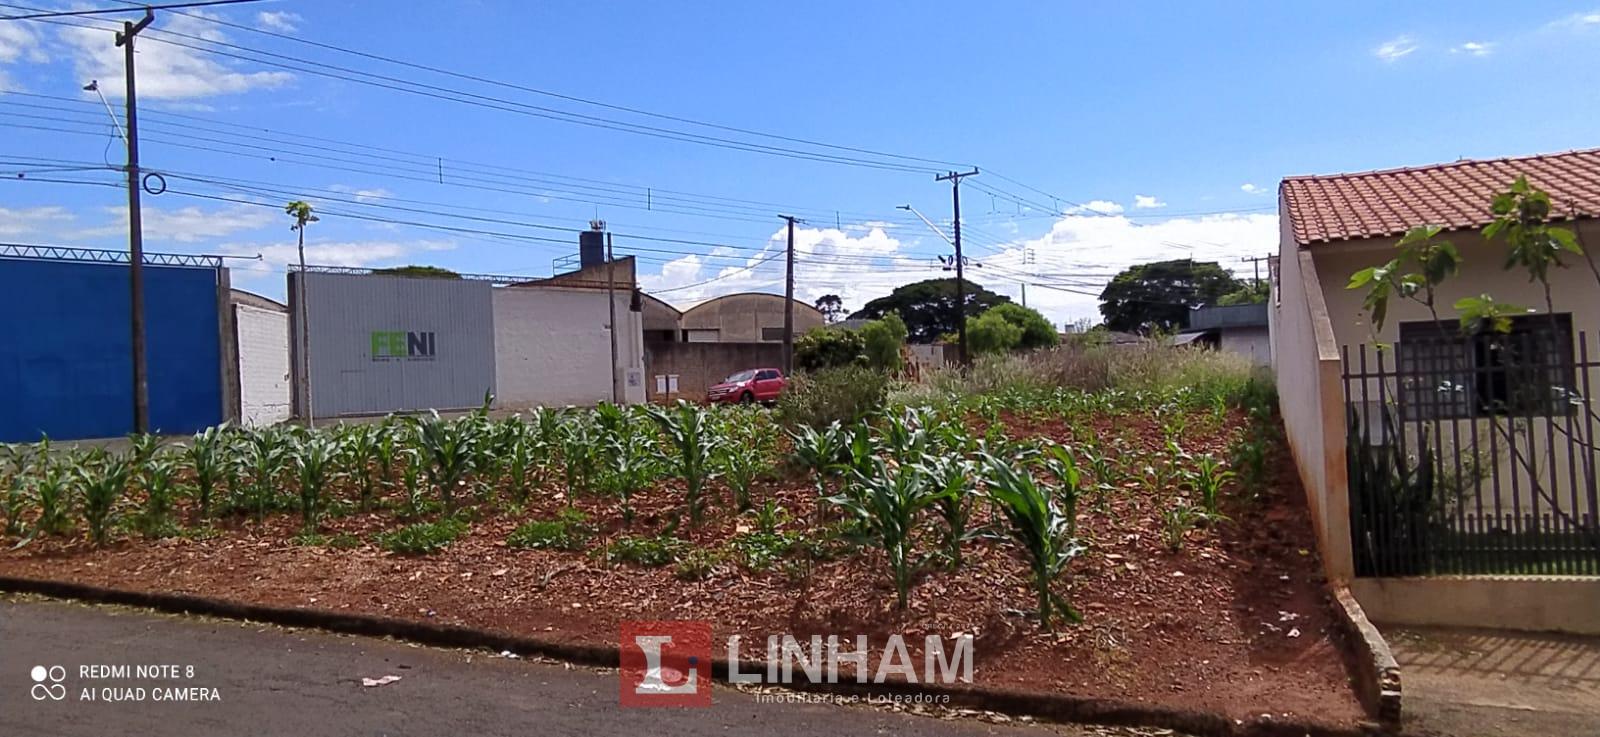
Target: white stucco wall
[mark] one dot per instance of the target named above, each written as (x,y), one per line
(551,347)
(263,365)
(1252,343)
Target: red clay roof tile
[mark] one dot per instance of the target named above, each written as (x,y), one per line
(1455,195)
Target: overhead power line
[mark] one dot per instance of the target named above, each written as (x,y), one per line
(138,8)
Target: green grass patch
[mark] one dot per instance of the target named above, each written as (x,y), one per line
(652,552)
(423,537)
(568,531)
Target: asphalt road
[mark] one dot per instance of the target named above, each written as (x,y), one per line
(275,681)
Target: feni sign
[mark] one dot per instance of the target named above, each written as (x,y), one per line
(398,345)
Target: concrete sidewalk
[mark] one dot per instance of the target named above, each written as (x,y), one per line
(1494,683)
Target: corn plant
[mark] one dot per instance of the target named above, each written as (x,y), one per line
(746,454)
(886,503)
(580,453)
(388,440)
(692,451)
(53,490)
(1059,461)
(102,480)
(158,476)
(1208,478)
(517,447)
(141,448)
(546,440)
(1176,522)
(207,459)
(314,457)
(447,449)
(15,500)
(358,446)
(266,450)
(952,476)
(904,435)
(1038,526)
(818,451)
(631,462)
(416,492)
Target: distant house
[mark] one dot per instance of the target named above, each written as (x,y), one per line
(747,317)
(1240,329)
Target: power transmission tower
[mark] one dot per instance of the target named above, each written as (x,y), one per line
(141,384)
(788,301)
(954,178)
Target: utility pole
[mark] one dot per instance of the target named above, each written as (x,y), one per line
(1256,262)
(611,304)
(954,178)
(141,384)
(788,302)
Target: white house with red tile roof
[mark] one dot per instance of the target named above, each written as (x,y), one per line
(1335,225)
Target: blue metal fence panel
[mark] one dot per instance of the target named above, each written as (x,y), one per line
(65,365)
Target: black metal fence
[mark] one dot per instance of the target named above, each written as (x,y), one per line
(1474,454)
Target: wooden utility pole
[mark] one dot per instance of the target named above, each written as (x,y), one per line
(954,178)
(788,301)
(141,383)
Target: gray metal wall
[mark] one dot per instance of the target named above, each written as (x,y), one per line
(442,359)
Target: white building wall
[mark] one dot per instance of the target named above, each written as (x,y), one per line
(1251,342)
(263,365)
(551,347)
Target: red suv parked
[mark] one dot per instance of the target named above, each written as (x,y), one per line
(749,385)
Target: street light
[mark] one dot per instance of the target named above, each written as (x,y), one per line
(94,86)
(929,223)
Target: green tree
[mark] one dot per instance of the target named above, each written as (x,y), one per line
(1037,331)
(1159,295)
(831,306)
(1253,292)
(827,347)
(991,332)
(882,341)
(1435,260)
(1522,216)
(434,272)
(928,307)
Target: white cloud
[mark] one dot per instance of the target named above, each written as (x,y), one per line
(277,256)
(188,224)
(1079,254)
(1146,202)
(1590,19)
(1093,207)
(280,21)
(165,71)
(17,42)
(1474,48)
(1396,48)
(369,194)
(854,265)
(15,222)
(1249,188)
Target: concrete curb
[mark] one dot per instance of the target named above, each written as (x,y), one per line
(1045,706)
(1377,673)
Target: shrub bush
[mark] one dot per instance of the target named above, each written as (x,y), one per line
(823,348)
(568,531)
(423,537)
(882,341)
(843,394)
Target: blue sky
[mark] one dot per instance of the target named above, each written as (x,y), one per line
(1157,130)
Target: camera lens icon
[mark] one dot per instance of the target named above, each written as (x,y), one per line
(52,690)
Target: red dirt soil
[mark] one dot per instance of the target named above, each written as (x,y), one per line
(1238,622)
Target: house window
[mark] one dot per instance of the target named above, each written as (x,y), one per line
(1528,371)
(772,335)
